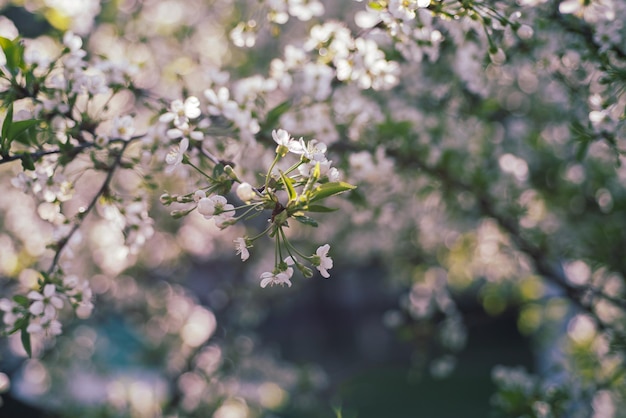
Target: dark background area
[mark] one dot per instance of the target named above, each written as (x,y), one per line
(373,371)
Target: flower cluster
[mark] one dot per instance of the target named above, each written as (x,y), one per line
(38,312)
(58,123)
(288,194)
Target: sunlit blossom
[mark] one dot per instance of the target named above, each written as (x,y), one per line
(176,155)
(181,112)
(123,127)
(282,137)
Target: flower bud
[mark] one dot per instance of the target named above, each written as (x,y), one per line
(497,56)
(231,173)
(525,32)
(165,199)
(177,214)
(306,272)
(245,192)
(198,194)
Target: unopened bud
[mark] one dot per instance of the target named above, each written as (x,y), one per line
(497,56)
(177,214)
(165,199)
(306,272)
(525,32)
(245,192)
(231,173)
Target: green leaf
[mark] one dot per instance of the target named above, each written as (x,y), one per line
(5,44)
(218,170)
(14,52)
(316,172)
(19,324)
(375,5)
(319,208)
(274,115)
(305,220)
(17,128)
(289,186)
(21,300)
(26,342)
(581,151)
(311,181)
(330,189)
(8,121)
(28,163)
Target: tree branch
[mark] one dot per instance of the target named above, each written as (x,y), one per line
(81,216)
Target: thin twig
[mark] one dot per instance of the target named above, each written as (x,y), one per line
(81,216)
(36,155)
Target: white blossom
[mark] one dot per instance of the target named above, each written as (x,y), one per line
(123,127)
(322,261)
(242,248)
(176,154)
(245,192)
(49,326)
(46,302)
(273,278)
(181,112)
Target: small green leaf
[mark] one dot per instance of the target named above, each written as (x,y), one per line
(8,121)
(305,220)
(316,172)
(289,186)
(581,151)
(14,52)
(312,180)
(19,324)
(21,300)
(28,163)
(17,128)
(218,170)
(26,342)
(374,5)
(319,208)
(330,189)
(5,44)
(274,115)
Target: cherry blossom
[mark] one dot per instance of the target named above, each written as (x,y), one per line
(322,261)
(277,278)
(45,303)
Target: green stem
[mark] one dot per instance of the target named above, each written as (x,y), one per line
(288,245)
(269,172)
(250,208)
(277,247)
(261,234)
(186,161)
(293,167)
